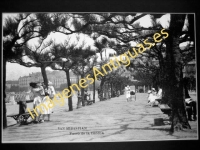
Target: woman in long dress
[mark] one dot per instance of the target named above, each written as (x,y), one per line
(37,100)
(48,109)
(127,90)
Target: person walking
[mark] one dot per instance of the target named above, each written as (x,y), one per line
(127,92)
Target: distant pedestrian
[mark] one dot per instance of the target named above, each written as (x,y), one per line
(148,97)
(127,92)
(109,93)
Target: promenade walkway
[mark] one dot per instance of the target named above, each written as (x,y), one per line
(106,121)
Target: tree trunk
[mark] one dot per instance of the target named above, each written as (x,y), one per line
(94,91)
(44,75)
(121,89)
(101,89)
(82,92)
(111,86)
(79,98)
(179,117)
(173,86)
(69,84)
(4,94)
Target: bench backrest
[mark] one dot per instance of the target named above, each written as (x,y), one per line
(164,106)
(23,97)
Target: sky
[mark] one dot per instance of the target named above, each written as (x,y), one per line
(14,71)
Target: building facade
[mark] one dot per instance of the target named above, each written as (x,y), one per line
(11,83)
(56,77)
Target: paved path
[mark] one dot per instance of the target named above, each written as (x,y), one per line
(107,121)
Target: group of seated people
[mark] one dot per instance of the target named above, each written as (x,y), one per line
(87,97)
(153,97)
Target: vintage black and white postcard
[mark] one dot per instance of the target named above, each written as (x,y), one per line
(99,77)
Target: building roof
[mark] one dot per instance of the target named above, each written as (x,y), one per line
(50,74)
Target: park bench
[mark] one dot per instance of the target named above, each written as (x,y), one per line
(158,100)
(167,110)
(22,118)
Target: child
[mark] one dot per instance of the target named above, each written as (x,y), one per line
(47,111)
(51,90)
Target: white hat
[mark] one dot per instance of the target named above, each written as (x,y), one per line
(149,91)
(36,89)
(153,89)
